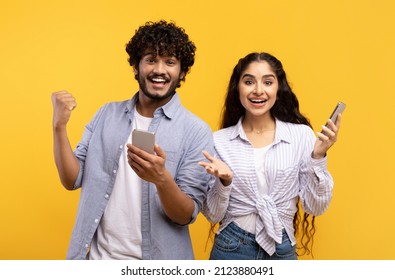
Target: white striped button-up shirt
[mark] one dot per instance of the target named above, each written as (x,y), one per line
(290,172)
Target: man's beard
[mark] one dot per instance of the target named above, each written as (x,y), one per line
(156,96)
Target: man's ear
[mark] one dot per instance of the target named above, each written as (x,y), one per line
(182,75)
(136,73)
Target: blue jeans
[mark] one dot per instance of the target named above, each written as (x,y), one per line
(234,243)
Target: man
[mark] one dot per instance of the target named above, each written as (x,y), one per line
(134,204)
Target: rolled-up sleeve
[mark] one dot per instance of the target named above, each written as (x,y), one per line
(316,183)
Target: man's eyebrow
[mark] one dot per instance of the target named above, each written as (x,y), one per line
(150,53)
(154,54)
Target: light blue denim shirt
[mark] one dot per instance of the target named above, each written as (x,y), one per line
(181,135)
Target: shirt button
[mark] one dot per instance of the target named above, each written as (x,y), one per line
(96,221)
(121,147)
(86,245)
(114,171)
(106,196)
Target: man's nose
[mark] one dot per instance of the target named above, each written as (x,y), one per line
(159,67)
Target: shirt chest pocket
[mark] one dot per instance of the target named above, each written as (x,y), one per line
(173,159)
(285,181)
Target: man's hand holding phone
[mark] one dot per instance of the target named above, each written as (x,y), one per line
(146,158)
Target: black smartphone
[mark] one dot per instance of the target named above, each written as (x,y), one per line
(144,140)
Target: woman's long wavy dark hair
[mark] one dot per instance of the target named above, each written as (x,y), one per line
(286,108)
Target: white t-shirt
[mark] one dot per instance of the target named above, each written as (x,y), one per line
(248,222)
(118,235)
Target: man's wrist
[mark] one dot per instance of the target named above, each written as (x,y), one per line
(226,182)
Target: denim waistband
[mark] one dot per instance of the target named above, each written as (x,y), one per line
(238,231)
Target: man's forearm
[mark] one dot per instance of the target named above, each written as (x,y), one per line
(178,206)
(65,160)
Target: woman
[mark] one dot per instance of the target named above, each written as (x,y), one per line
(268,158)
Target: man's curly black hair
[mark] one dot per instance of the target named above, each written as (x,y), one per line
(165,39)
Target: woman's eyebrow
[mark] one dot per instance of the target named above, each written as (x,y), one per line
(247,75)
(264,76)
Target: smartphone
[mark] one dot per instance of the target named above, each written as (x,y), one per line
(144,140)
(338,109)
(340,106)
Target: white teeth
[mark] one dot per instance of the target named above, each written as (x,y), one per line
(159,80)
(257,101)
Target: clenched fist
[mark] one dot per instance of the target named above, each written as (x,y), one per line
(63,103)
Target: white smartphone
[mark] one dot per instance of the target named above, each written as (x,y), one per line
(144,140)
(338,109)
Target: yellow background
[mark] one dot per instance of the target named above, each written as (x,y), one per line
(331,51)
